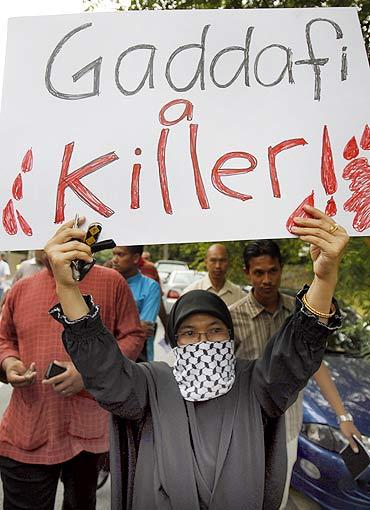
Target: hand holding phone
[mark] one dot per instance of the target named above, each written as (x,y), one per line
(65,379)
(53,370)
(356,462)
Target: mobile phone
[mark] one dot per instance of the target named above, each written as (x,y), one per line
(54,370)
(356,462)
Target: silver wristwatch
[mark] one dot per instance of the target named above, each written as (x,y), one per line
(344,417)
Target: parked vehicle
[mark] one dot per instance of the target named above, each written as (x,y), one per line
(176,283)
(165,268)
(320,472)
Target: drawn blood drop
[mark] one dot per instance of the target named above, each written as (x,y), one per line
(365,139)
(351,149)
(24,225)
(27,162)
(328,178)
(331,207)
(300,211)
(9,222)
(17,188)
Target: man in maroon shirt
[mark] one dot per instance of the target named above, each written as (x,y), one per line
(53,427)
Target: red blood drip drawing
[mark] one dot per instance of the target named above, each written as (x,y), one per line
(9,221)
(331,207)
(328,179)
(365,139)
(27,162)
(17,188)
(300,211)
(358,171)
(24,225)
(351,149)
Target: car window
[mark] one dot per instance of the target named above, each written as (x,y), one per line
(168,268)
(185,277)
(353,339)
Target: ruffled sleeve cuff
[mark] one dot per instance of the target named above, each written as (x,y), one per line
(310,323)
(87,325)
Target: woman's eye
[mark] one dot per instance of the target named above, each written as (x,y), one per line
(214,331)
(188,333)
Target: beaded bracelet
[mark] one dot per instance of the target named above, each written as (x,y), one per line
(316,312)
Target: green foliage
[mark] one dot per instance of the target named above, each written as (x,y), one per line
(363,7)
(103,256)
(194,254)
(354,276)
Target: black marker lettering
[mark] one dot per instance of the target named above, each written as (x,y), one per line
(317,62)
(244,65)
(287,67)
(200,68)
(148,72)
(344,68)
(95,66)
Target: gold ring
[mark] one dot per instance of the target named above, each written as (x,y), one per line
(333,228)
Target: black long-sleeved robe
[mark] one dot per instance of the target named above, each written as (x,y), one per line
(164,449)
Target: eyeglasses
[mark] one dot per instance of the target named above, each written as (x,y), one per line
(211,335)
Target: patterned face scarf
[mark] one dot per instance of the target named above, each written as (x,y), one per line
(204,370)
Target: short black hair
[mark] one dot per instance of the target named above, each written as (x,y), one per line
(259,248)
(136,250)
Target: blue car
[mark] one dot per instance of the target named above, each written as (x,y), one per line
(320,472)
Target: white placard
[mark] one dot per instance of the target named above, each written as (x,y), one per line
(185,125)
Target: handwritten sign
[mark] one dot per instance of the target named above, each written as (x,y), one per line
(184,126)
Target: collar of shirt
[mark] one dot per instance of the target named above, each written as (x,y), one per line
(208,285)
(256,307)
(134,279)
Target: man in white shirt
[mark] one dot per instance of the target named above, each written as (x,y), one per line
(217,263)
(4,273)
(30,266)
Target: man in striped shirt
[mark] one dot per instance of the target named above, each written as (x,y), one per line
(256,317)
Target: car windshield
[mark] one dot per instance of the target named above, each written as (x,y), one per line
(186,277)
(353,339)
(168,267)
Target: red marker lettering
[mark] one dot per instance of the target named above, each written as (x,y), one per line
(272,153)
(199,186)
(188,112)
(73,181)
(218,172)
(135,181)
(161,158)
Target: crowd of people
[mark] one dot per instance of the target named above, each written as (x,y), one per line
(217,430)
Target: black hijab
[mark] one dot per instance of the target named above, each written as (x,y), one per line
(197,301)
